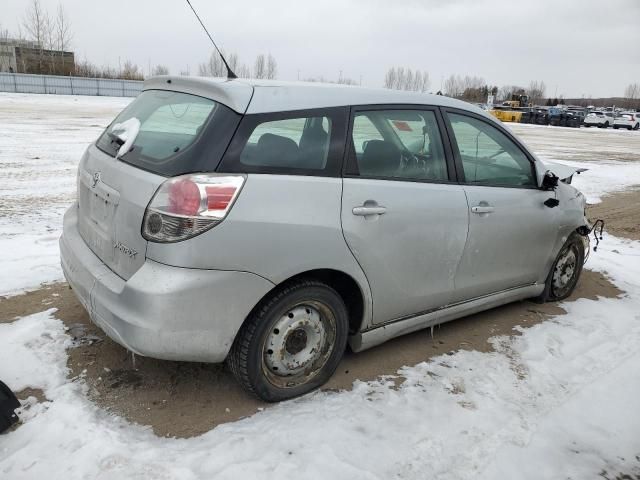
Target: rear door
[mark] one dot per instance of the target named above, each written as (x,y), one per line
(511,231)
(403,217)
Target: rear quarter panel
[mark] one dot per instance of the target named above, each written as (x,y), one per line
(280,226)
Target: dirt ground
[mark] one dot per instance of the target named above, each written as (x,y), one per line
(180,399)
(621,213)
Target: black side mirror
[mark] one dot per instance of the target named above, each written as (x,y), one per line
(550,181)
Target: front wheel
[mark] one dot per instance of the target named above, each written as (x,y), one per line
(565,271)
(292,343)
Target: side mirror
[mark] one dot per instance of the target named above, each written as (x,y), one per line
(549,181)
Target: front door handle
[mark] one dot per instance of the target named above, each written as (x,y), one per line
(363,210)
(482,209)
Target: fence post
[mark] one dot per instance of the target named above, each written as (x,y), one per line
(15,84)
(123,88)
(98,85)
(71,83)
(44,83)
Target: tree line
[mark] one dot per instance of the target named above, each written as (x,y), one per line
(264,66)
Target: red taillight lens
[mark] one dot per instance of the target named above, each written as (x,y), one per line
(184,197)
(219,196)
(186,206)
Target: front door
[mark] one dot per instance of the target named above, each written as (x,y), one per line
(403,218)
(511,231)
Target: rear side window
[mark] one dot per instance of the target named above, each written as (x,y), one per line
(292,143)
(173,131)
(305,142)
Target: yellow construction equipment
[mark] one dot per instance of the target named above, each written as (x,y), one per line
(507,115)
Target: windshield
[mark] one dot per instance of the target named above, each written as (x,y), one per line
(164,132)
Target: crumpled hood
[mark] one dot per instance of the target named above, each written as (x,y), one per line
(563,171)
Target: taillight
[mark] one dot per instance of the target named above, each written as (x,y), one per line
(186,206)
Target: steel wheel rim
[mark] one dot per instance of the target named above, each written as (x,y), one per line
(565,271)
(299,344)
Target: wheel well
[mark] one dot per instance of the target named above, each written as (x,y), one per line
(342,283)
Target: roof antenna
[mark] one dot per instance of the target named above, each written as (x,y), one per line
(230,74)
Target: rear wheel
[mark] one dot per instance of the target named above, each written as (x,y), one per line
(292,344)
(606,125)
(637,126)
(565,271)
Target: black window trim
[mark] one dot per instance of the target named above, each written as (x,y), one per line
(500,128)
(230,162)
(349,150)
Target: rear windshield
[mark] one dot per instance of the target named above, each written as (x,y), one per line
(176,132)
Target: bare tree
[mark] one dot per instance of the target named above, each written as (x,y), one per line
(160,70)
(402,78)
(5,62)
(259,67)
(131,71)
(214,67)
(536,91)
(36,24)
(632,95)
(63,34)
(453,87)
(390,78)
(272,67)
(243,71)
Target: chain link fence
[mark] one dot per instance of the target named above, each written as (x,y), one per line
(26,83)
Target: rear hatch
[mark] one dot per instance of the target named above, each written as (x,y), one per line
(173,133)
(112,198)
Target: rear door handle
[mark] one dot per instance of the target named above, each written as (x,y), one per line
(482,209)
(373,210)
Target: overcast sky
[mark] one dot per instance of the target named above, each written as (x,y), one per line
(577,47)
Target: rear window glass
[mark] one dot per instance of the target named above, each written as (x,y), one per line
(167,128)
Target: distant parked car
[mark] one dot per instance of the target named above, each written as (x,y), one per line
(628,120)
(268,224)
(597,119)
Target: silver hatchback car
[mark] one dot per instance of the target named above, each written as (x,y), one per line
(269,224)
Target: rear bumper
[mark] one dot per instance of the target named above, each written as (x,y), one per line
(164,312)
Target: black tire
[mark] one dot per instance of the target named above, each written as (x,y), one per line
(558,286)
(615,127)
(606,125)
(637,126)
(314,325)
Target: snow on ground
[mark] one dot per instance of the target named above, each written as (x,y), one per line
(558,401)
(42,138)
